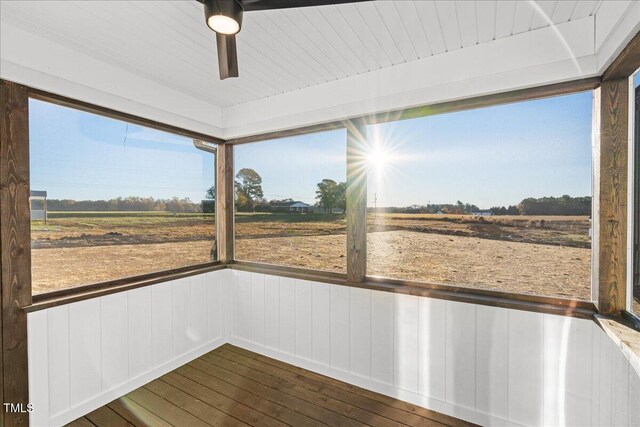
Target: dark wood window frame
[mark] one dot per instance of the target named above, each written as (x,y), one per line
(15,249)
(634,282)
(356,209)
(356,251)
(615,90)
(48,299)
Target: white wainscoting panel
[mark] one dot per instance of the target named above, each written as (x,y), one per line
(381,336)
(488,365)
(84,354)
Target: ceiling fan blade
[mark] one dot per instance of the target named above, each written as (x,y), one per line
(249,5)
(227,55)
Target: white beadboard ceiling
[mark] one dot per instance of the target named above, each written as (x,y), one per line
(280,50)
(168,45)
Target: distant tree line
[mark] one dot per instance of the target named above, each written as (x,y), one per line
(458,208)
(330,196)
(126,204)
(564,205)
(501,210)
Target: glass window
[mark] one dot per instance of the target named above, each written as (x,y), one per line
(110,199)
(290,201)
(497,198)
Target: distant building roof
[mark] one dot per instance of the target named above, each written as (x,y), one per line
(36,193)
(294,204)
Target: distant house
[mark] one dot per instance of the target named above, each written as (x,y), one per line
(439,212)
(295,206)
(482,212)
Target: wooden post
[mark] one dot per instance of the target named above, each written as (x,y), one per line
(15,249)
(612,127)
(224,203)
(613,102)
(626,63)
(356,201)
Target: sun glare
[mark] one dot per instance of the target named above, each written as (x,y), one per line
(378,158)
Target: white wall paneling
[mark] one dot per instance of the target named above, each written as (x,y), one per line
(360,332)
(382,310)
(56,323)
(287,343)
(492,351)
(406,343)
(339,324)
(39,360)
(114,340)
(320,318)
(85,351)
(488,365)
(85,354)
(303,317)
(432,351)
(139,326)
(525,366)
(271,311)
(258,308)
(460,354)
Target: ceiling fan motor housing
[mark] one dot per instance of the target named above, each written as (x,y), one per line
(221,12)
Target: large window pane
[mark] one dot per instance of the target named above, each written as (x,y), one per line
(496,198)
(290,201)
(110,199)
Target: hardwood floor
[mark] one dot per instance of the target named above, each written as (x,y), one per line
(234,387)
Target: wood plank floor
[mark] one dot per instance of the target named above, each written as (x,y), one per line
(234,387)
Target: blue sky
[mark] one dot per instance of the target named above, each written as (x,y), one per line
(491,156)
(82,156)
(292,167)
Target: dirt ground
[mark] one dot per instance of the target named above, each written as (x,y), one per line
(534,255)
(60,268)
(480,263)
(570,231)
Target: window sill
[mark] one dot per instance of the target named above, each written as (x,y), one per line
(624,336)
(558,306)
(66,296)
(550,305)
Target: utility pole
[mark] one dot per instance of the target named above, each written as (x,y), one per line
(375,205)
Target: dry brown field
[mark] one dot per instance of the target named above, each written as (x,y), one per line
(534,255)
